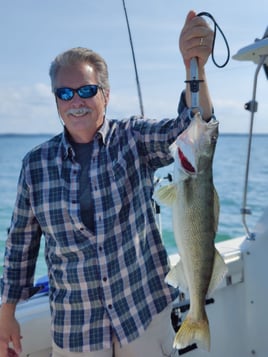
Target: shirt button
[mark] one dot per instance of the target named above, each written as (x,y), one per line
(100,248)
(104,279)
(110,306)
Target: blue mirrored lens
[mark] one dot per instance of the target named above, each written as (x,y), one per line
(65,93)
(87,91)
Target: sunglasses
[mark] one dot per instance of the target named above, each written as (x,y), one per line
(87,91)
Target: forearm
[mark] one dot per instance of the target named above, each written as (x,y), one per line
(18,275)
(22,247)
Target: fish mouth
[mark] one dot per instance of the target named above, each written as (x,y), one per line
(196,142)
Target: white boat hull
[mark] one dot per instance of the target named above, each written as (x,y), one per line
(34,318)
(237,315)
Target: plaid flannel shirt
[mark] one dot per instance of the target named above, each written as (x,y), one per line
(103,283)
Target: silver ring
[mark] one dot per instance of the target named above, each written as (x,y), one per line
(201,41)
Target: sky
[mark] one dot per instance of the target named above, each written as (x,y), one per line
(33,32)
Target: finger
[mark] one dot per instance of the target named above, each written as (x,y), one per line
(12,353)
(3,348)
(17,346)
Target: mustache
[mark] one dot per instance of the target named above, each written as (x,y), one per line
(78,111)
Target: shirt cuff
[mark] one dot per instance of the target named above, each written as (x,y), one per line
(15,294)
(182,107)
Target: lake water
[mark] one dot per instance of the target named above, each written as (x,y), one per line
(229,170)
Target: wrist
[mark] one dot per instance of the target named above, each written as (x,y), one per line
(7,310)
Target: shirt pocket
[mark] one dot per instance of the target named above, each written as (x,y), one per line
(118,170)
(120,183)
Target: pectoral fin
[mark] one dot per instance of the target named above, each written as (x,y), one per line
(166,195)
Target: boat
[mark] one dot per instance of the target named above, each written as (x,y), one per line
(236,310)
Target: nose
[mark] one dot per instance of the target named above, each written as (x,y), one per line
(77,100)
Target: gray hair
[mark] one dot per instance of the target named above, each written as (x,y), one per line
(78,55)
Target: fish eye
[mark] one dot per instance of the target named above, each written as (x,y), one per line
(214,138)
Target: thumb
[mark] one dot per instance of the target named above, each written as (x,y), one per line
(190,16)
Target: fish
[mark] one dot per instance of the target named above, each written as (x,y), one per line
(195,215)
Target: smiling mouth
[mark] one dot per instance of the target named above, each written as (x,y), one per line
(79,112)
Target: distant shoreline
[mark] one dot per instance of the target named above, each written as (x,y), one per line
(24,135)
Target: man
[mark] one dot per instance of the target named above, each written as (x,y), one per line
(89,192)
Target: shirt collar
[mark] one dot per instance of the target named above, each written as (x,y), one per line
(101,134)
(67,150)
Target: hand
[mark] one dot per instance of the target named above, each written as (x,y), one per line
(9,332)
(195,40)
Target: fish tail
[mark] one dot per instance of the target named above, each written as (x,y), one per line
(193,331)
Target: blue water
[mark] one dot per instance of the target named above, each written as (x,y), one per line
(229,170)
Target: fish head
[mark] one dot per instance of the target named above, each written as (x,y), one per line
(194,148)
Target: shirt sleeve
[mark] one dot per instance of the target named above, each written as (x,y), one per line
(22,247)
(154,137)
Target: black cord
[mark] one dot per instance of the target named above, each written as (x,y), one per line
(216,26)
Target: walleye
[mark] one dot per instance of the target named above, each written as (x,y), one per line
(195,210)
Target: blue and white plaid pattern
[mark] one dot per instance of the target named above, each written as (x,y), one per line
(112,280)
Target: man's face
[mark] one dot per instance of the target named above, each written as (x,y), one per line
(81,116)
